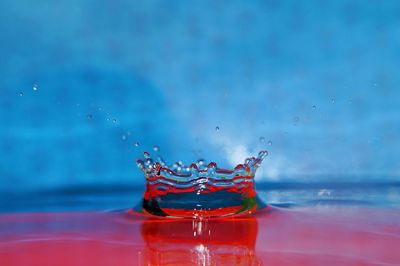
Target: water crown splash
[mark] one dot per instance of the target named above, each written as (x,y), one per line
(200,189)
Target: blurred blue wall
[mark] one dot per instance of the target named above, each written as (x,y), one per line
(317,79)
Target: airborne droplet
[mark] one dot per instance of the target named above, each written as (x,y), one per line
(35,87)
(156,148)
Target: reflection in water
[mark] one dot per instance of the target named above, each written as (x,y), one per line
(298,236)
(200,241)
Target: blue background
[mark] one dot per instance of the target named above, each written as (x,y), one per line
(319,79)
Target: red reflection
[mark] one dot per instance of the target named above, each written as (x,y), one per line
(200,241)
(313,236)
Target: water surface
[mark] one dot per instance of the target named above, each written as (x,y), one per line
(315,226)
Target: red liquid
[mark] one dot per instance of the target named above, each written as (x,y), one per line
(330,236)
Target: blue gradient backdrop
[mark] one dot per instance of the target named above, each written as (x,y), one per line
(319,79)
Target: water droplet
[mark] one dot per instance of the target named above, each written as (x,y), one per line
(89,116)
(156,148)
(314,107)
(137,144)
(35,87)
(217,128)
(148,161)
(140,164)
(200,162)
(262,139)
(21,94)
(123,137)
(114,121)
(296,120)
(270,143)
(262,154)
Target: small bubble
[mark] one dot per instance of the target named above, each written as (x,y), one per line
(123,137)
(114,121)
(137,144)
(100,108)
(35,87)
(108,119)
(128,133)
(333,101)
(156,148)
(21,94)
(262,139)
(314,107)
(89,116)
(217,128)
(270,143)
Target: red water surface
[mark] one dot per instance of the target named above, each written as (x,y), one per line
(308,236)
